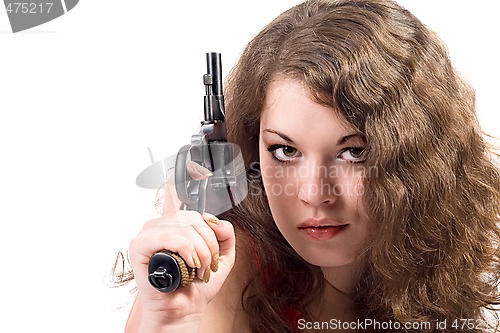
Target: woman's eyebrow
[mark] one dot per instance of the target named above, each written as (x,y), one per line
(282,135)
(285,137)
(344,139)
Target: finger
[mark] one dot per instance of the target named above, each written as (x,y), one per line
(197,171)
(192,247)
(209,262)
(187,242)
(224,232)
(171,202)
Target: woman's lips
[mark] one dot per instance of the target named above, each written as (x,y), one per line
(321,229)
(323,233)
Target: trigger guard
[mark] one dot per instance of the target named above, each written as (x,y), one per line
(183,181)
(181,174)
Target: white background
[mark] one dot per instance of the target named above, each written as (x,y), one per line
(81,99)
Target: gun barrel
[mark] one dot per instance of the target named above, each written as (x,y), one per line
(214,98)
(214,68)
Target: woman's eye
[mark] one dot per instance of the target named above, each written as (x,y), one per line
(354,155)
(283,153)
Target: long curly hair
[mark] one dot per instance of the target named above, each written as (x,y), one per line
(434,204)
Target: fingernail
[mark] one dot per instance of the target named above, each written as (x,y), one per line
(214,265)
(202,171)
(206,275)
(209,218)
(196,260)
(201,274)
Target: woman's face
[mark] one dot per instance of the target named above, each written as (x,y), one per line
(312,167)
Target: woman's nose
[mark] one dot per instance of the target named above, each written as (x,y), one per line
(317,187)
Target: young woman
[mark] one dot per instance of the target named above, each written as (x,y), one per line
(374,198)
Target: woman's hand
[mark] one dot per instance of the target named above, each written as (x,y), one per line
(204,242)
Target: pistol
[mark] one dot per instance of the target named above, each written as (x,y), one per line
(216,194)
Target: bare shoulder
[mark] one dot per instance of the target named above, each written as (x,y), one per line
(225,312)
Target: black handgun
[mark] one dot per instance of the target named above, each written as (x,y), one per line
(216,194)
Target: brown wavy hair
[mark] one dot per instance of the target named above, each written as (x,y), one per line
(434,204)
